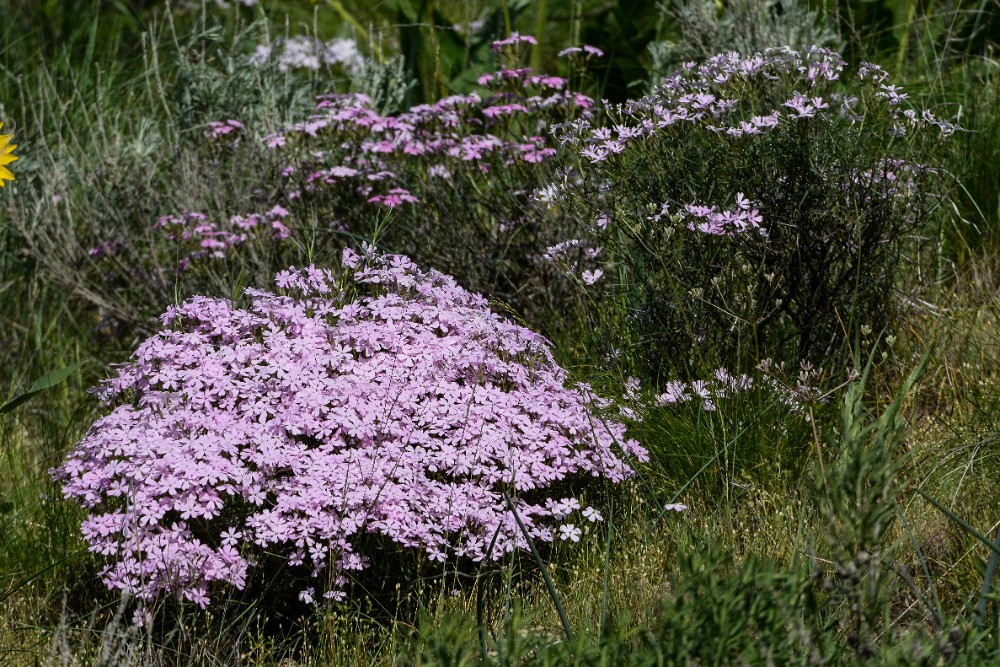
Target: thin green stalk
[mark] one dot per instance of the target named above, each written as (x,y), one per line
(607,569)
(480,600)
(545,573)
(536,50)
(991,569)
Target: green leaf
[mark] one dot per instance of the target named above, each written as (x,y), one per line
(47,381)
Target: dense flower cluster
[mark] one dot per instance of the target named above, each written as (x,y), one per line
(350,166)
(709,220)
(391,403)
(386,158)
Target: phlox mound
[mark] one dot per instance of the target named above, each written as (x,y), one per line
(388,401)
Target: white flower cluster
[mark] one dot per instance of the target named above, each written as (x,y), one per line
(303,52)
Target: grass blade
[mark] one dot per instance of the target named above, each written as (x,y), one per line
(991,569)
(47,381)
(994,548)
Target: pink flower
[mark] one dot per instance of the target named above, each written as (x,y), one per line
(514,39)
(569,532)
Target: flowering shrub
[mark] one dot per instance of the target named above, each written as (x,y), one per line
(760,200)
(453,178)
(391,404)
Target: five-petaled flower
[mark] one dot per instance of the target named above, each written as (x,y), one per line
(569,532)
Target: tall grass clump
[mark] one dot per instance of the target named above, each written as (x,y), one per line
(111,156)
(751,206)
(973,160)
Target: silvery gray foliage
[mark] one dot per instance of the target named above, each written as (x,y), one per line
(746,26)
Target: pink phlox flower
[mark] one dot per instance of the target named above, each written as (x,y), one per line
(675,392)
(514,39)
(595,153)
(504,110)
(586,49)
(550,82)
(872,71)
(560,250)
(569,532)
(892,94)
(275,140)
(766,122)
(394,198)
(801,105)
(219,129)
(662,213)
(439,171)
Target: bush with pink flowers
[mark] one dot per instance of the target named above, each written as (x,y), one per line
(387,402)
(768,200)
(447,182)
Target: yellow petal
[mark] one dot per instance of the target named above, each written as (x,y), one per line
(7,159)
(5,173)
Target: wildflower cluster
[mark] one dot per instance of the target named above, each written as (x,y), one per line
(381,155)
(707,220)
(472,158)
(199,237)
(454,177)
(390,404)
(722,95)
(721,385)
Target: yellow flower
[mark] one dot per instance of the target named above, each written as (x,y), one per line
(6,156)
